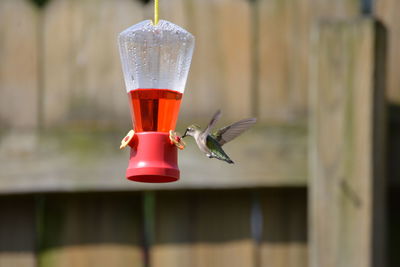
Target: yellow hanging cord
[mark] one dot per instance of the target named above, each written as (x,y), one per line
(155,12)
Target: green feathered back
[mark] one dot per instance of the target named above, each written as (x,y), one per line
(217,150)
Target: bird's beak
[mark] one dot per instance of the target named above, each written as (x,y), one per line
(185,134)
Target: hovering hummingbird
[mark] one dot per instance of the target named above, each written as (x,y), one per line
(211,143)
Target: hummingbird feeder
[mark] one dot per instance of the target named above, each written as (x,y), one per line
(155,60)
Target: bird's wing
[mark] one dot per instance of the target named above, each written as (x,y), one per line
(212,123)
(228,133)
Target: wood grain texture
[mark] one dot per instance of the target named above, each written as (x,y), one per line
(83,76)
(223,229)
(19,77)
(387,12)
(90,230)
(346,179)
(283,29)
(174,227)
(71,160)
(83,80)
(220,75)
(284,237)
(17,231)
(203,229)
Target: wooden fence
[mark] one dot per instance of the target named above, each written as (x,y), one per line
(309,185)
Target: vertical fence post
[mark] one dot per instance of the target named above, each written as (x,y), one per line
(346,144)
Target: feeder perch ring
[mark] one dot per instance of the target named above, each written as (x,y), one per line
(176,140)
(127,139)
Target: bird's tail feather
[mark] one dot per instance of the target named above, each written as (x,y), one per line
(228,160)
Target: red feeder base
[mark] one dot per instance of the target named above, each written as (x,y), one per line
(153,159)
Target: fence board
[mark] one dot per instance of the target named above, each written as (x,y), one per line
(17,231)
(83,74)
(203,229)
(220,75)
(346,183)
(283,48)
(71,160)
(91,230)
(19,64)
(224,229)
(284,239)
(173,230)
(87,79)
(57,59)
(387,11)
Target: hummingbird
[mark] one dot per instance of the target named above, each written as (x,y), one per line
(211,143)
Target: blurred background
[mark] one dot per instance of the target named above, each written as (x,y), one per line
(315,182)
